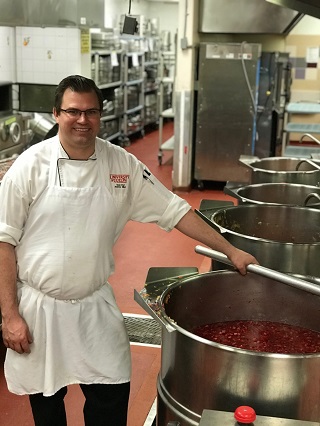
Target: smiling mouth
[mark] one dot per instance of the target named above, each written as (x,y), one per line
(82,130)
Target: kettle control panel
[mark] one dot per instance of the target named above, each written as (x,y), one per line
(215,418)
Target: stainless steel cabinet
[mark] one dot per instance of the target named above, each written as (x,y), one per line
(226,110)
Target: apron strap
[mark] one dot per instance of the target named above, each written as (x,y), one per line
(53,167)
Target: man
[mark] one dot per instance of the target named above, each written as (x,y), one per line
(62,209)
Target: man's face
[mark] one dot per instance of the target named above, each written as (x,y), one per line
(78,132)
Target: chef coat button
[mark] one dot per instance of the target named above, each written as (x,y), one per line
(245,414)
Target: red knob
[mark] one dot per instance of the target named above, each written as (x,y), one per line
(245,414)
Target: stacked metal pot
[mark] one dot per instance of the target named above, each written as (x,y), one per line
(278,216)
(275,222)
(303,171)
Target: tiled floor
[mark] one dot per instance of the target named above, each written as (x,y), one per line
(140,247)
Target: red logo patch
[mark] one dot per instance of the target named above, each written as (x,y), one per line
(119,178)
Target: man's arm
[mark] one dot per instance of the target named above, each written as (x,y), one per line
(195,227)
(15,332)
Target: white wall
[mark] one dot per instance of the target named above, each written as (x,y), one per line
(47,55)
(305,35)
(307,25)
(8,71)
(113,9)
(167,13)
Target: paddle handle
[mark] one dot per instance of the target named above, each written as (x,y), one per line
(261,270)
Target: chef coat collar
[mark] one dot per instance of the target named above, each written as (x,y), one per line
(63,154)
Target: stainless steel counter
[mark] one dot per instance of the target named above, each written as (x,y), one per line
(219,418)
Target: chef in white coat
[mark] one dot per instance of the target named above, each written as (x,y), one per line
(63,204)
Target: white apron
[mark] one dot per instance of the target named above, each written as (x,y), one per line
(64,260)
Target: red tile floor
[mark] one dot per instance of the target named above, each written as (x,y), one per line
(140,247)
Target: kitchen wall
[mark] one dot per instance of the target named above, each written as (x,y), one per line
(303,44)
(165,12)
(93,13)
(7,54)
(38,52)
(47,55)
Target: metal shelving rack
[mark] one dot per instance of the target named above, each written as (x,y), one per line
(166,99)
(133,88)
(102,60)
(106,72)
(305,129)
(151,85)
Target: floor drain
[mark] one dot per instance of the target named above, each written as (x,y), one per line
(143,329)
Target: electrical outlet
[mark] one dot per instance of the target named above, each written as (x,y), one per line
(184,43)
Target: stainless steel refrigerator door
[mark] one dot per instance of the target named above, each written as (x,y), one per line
(225,127)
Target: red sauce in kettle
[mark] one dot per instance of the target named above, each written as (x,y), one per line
(262,336)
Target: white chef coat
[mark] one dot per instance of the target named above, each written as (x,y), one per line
(64,217)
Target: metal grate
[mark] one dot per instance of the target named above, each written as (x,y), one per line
(143,329)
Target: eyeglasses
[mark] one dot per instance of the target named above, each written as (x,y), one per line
(76,113)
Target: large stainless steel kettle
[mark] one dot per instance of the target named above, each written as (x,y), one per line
(283,238)
(282,169)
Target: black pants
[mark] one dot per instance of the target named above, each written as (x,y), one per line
(105,405)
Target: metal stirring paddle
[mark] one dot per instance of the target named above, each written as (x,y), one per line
(261,270)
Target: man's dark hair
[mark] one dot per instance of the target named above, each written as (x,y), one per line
(79,84)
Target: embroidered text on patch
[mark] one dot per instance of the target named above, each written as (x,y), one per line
(120,181)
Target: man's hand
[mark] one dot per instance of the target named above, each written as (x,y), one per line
(241,260)
(16,334)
